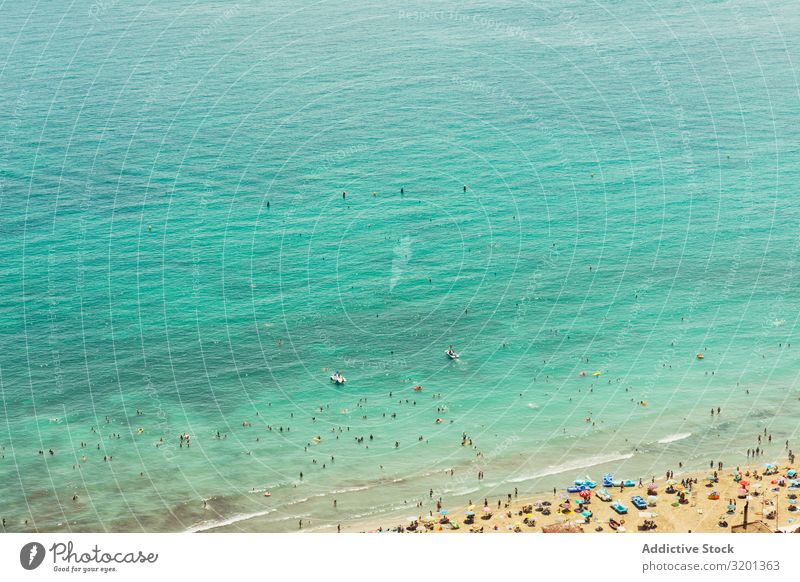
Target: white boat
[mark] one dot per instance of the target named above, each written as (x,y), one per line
(451,353)
(337,378)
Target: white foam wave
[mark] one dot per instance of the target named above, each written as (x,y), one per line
(211,524)
(674,437)
(573,466)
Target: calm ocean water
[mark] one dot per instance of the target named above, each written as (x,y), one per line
(174,241)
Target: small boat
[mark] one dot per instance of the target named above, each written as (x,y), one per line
(613,524)
(603,495)
(638,502)
(451,353)
(576,488)
(619,508)
(417,388)
(337,378)
(625,483)
(700,356)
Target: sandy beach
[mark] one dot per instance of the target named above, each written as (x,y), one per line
(694,502)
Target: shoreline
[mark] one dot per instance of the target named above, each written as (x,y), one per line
(708,507)
(421,501)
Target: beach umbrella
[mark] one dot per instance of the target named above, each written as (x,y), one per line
(471,507)
(585,493)
(672,482)
(470,513)
(586,513)
(743,491)
(744,484)
(487,509)
(443,512)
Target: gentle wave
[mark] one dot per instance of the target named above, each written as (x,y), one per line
(573,466)
(674,437)
(207,525)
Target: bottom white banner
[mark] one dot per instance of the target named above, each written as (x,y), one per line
(121,557)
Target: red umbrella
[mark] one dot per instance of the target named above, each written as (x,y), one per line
(585,493)
(744,483)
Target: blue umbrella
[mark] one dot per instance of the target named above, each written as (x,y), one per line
(443,512)
(470,513)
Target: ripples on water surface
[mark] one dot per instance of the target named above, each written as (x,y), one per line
(174,240)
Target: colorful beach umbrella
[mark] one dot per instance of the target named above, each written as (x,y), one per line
(443,512)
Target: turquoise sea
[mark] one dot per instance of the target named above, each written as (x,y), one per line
(176,255)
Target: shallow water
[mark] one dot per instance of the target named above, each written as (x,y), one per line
(174,240)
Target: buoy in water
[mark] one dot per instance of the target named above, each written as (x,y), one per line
(700,356)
